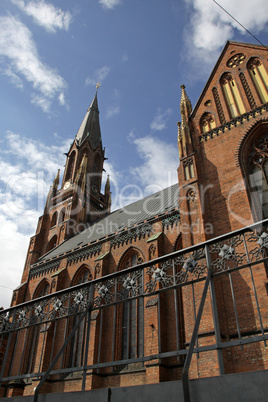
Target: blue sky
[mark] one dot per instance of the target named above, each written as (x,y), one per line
(52,53)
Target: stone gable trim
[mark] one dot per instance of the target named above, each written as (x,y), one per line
(84,254)
(175,218)
(233,123)
(43,270)
(131,234)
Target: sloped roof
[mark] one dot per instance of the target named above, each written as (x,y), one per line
(90,127)
(133,214)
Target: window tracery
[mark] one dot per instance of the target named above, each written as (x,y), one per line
(207,122)
(188,167)
(258,174)
(236,60)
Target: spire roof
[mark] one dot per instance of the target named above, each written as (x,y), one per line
(90,127)
(185,101)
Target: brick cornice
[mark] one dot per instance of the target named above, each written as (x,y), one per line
(233,123)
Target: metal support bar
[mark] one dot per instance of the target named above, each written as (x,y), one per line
(185,372)
(45,376)
(215,314)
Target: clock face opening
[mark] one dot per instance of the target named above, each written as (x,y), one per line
(66,185)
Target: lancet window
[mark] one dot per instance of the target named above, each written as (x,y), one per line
(76,349)
(232,96)
(131,315)
(259,77)
(70,168)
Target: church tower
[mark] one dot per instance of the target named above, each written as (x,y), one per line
(79,200)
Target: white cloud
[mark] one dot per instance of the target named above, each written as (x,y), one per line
(160,120)
(45,14)
(160,163)
(114,108)
(99,75)
(13,252)
(125,58)
(211,27)
(19,49)
(27,169)
(112,111)
(109,4)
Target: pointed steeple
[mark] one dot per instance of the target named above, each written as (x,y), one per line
(184,137)
(107,186)
(186,106)
(90,127)
(56,183)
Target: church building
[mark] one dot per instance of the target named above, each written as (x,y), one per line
(171,287)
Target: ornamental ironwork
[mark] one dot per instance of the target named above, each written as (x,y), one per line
(129,285)
(190,266)
(161,276)
(228,255)
(105,292)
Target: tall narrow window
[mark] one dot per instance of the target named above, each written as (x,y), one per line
(188,167)
(77,344)
(232,96)
(32,360)
(132,318)
(62,215)
(259,77)
(54,219)
(52,243)
(70,168)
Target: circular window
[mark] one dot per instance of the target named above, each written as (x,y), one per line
(236,60)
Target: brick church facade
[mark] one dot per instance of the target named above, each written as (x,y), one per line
(141,333)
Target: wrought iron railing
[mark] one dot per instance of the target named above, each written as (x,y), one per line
(83,324)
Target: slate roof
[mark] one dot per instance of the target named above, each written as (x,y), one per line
(157,204)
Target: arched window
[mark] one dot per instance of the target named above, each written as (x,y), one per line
(61,215)
(42,289)
(232,96)
(70,168)
(207,122)
(131,316)
(259,77)
(77,345)
(254,162)
(36,334)
(82,275)
(54,219)
(52,243)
